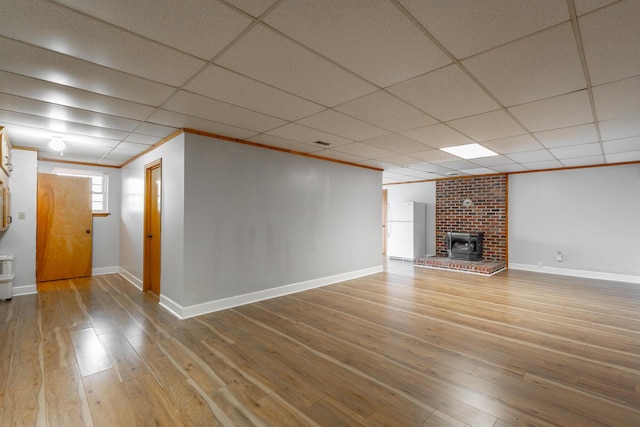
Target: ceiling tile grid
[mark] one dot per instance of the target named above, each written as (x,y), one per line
(386,83)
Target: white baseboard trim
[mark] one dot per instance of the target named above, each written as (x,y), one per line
(104,270)
(577,273)
(130,278)
(235,301)
(24,290)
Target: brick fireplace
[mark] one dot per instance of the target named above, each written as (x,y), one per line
(472,205)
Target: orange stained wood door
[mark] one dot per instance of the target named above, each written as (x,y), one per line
(153,215)
(64,227)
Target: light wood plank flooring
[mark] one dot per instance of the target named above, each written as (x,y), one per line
(407,347)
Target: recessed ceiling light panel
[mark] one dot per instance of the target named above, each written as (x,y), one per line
(469,151)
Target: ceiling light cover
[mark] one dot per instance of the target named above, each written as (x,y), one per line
(469,151)
(57,144)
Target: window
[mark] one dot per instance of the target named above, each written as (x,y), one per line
(99,187)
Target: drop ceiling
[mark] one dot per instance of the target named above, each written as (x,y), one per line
(387,83)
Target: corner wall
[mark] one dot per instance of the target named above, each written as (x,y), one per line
(590,215)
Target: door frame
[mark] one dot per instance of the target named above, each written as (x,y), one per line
(385,199)
(147,259)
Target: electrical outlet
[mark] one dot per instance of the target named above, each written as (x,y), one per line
(22,215)
(559,256)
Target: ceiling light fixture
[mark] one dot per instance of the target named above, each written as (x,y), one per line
(57,144)
(469,151)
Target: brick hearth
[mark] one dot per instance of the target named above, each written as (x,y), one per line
(487,267)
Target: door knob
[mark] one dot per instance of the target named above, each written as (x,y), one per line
(88,231)
(149,235)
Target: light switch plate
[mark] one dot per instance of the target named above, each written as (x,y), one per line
(22,215)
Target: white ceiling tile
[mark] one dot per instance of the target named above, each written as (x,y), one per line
(377,164)
(622,145)
(300,133)
(584,161)
(551,164)
(510,168)
(65,70)
(131,147)
(65,31)
(56,94)
(254,8)
(488,126)
(364,150)
(206,108)
(630,156)
(210,28)
(466,27)
(573,151)
(586,6)
(619,99)
(339,155)
(492,161)
(446,94)
(39,137)
(400,160)
(273,59)
(331,121)
(42,109)
(514,144)
(155,130)
(432,168)
(573,135)
(287,144)
(458,164)
(180,121)
(372,38)
(141,139)
(59,126)
(434,156)
(396,143)
(478,171)
(620,128)
(531,156)
(611,37)
(386,111)
(557,112)
(437,136)
(224,85)
(540,66)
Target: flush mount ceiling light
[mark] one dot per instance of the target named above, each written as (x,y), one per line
(469,151)
(57,144)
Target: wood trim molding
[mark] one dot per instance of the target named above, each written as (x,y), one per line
(284,150)
(153,147)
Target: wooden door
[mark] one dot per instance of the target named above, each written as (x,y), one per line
(152,227)
(64,227)
(384,221)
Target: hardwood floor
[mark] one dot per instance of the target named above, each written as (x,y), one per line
(407,347)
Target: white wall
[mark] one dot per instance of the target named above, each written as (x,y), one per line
(132,217)
(20,239)
(242,223)
(591,215)
(106,229)
(256,219)
(422,192)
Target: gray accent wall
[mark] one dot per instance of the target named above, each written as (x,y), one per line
(239,219)
(591,215)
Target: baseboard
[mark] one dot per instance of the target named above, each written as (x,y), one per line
(235,301)
(104,270)
(130,278)
(24,290)
(577,273)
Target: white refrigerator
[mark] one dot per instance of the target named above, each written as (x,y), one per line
(407,230)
